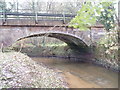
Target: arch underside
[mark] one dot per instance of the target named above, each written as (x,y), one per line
(73,42)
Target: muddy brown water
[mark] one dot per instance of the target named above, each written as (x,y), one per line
(80,74)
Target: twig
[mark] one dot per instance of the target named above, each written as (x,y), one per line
(20,48)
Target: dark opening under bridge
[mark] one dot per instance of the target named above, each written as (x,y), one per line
(17,28)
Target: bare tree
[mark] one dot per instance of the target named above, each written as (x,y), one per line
(51,6)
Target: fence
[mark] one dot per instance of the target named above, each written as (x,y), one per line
(33,13)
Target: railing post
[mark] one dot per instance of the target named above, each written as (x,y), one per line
(17,6)
(4,14)
(63,18)
(33,8)
(36,18)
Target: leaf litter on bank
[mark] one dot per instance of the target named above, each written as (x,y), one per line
(19,71)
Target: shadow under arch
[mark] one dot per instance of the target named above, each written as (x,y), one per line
(73,42)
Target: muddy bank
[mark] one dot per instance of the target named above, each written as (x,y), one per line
(19,71)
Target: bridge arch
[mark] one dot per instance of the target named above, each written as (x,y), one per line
(72,41)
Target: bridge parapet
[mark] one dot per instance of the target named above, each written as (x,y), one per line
(32,22)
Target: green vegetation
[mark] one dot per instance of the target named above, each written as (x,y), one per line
(106,50)
(91,12)
(59,49)
(85,16)
(107,15)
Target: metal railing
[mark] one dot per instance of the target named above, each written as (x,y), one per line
(37,16)
(33,12)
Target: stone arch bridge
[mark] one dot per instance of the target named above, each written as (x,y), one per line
(75,38)
(16,26)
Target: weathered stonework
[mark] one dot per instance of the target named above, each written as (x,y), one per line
(10,33)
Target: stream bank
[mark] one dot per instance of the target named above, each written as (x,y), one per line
(19,71)
(51,47)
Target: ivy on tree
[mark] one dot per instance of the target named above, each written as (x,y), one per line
(91,12)
(107,16)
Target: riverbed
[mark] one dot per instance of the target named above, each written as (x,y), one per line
(81,74)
